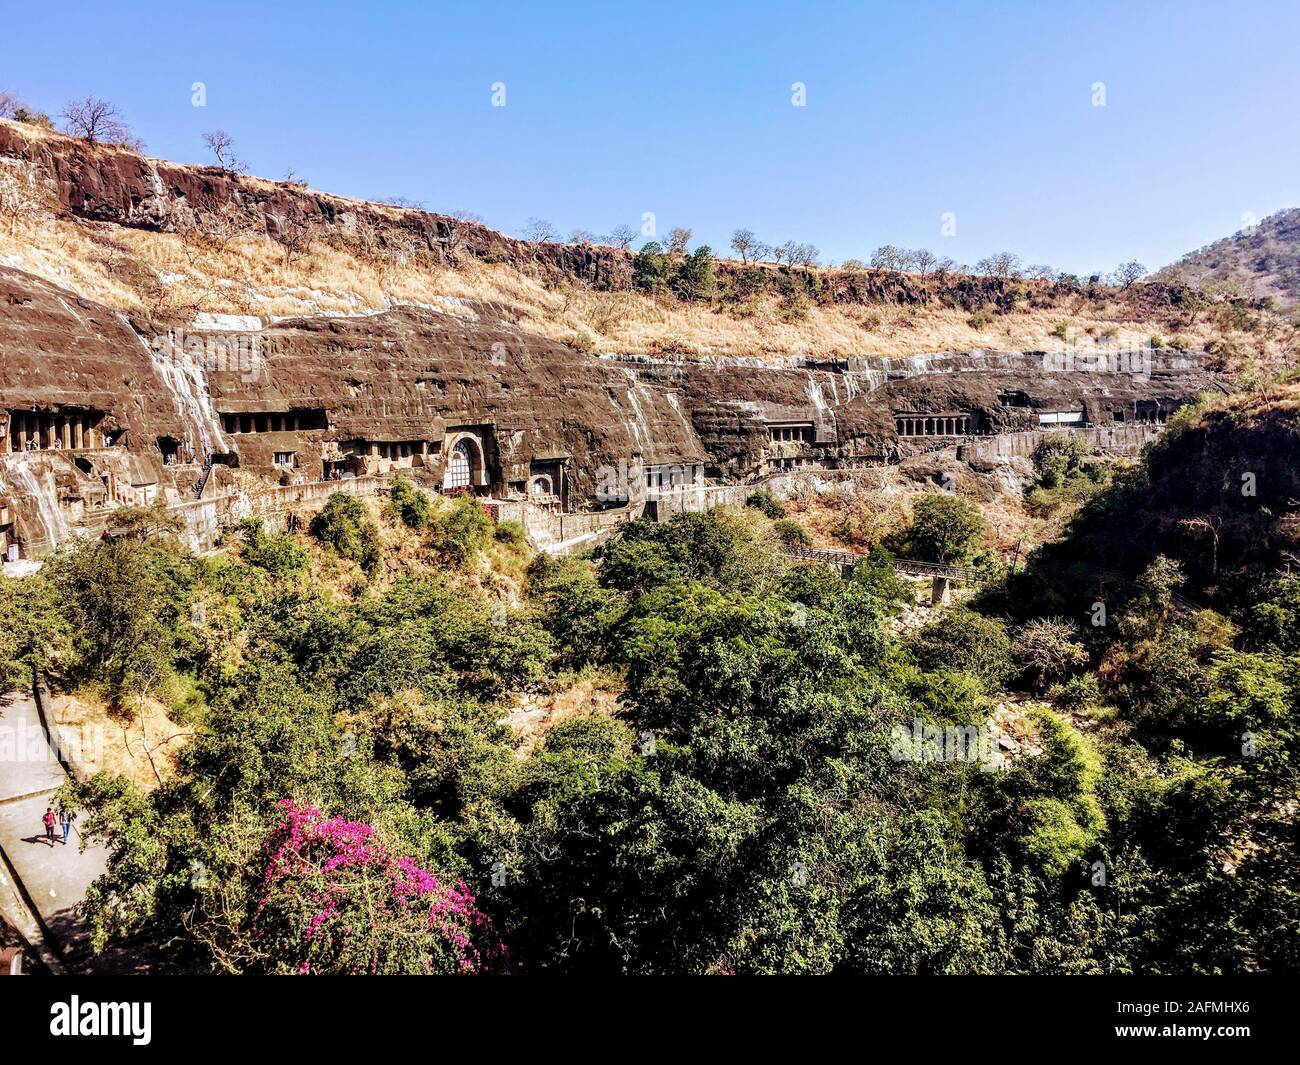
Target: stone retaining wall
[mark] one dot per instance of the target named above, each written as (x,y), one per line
(206,519)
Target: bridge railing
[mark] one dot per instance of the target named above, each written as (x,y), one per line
(903,565)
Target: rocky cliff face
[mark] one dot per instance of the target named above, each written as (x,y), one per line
(98,411)
(108,184)
(101,411)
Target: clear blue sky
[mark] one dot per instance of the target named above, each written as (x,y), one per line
(618,108)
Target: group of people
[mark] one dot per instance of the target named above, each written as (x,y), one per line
(64,819)
(35,445)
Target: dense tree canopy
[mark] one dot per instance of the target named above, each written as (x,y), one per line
(789,782)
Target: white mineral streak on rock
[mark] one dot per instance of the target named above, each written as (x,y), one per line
(185,377)
(19,480)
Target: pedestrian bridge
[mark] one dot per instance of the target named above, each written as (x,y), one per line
(846,560)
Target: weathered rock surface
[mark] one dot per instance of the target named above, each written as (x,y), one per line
(110,184)
(139,408)
(100,411)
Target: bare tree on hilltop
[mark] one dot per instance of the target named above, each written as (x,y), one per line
(924,260)
(222,145)
(621,237)
(788,252)
(890,257)
(749,247)
(540,231)
(97,122)
(805,255)
(679,238)
(1000,264)
(10,105)
(1126,274)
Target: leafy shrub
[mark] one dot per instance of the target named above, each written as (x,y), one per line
(511,533)
(969,642)
(979,319)
(1081,692)
(1274,624)
(791,533)
(764,501)
(1060,815)
(408,504)
(1066,476)
(462,531)
(277,553)
(345,526)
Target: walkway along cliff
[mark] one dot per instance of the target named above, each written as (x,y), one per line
(224,419)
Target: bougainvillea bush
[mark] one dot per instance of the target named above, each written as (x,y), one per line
(337,901)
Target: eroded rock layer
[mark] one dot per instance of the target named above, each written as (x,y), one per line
(100,412)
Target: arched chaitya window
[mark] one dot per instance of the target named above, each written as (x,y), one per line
(458,467)
(464,464)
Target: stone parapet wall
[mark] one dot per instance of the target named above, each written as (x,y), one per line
(206,519)
(1114,438)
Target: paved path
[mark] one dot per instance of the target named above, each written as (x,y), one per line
(49,880)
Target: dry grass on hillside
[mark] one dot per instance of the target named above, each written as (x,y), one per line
(141,747)
(591,693)
(141,271)
(880,504)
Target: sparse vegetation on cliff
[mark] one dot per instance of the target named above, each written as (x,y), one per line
(279,260)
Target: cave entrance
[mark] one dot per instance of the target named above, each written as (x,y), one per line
(464,465)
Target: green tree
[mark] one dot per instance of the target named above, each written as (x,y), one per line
(765,502)
(278,553)
(945,528)
(123,599)
(969,642)
(346,526)
(35,634)
(462,531)
(408,504)
(694,278)
(651,268)
(791,533)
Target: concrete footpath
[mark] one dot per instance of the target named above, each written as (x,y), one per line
(41,883)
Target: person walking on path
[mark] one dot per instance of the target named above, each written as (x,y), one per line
(66,817)
(48,821)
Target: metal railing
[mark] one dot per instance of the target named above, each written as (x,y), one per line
(831,557)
